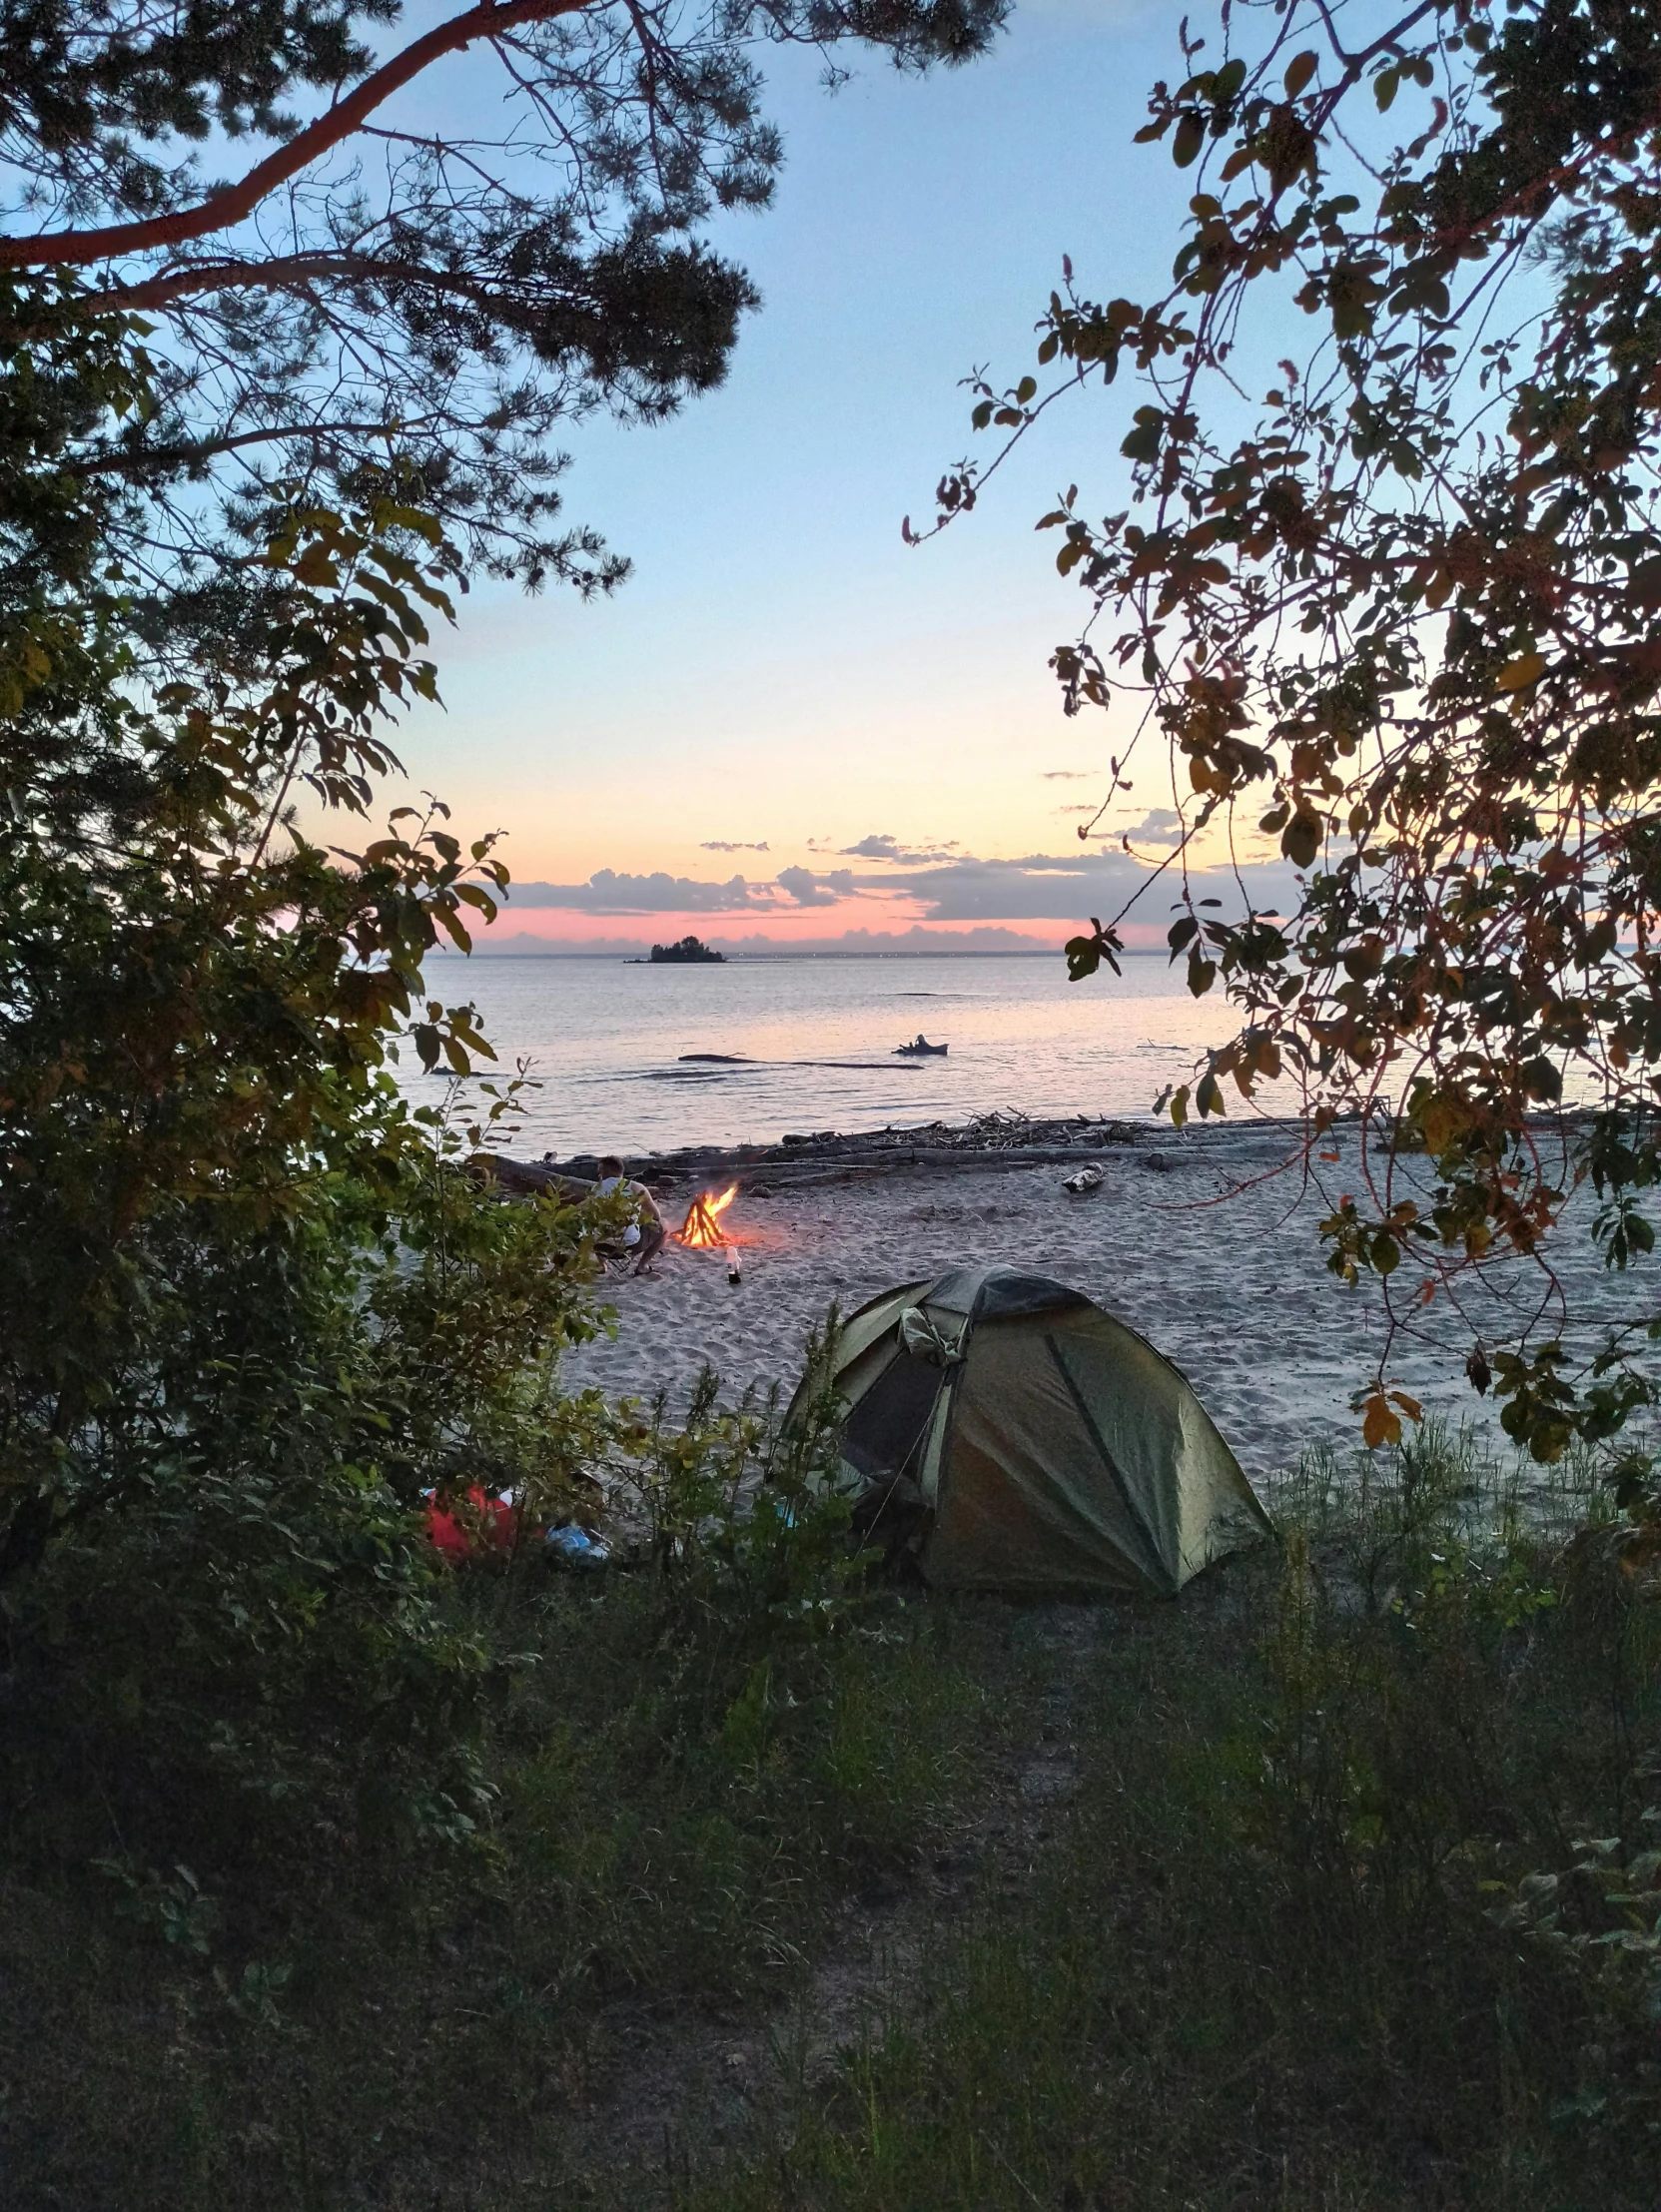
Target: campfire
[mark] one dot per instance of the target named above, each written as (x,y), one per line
(702,1225)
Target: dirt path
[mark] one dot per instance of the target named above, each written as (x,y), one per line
(679,2079)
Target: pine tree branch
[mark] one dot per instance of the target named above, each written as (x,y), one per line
(144,460)
(277,275)
(221,210)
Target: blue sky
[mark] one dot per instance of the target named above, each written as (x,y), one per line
(781,671)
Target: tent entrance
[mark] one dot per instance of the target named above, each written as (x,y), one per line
(885,1432)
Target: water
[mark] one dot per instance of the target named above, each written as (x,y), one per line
(607,1040)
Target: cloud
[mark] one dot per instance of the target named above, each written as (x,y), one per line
(1038,885)
(1046,885)
(935,885)
(1065,775)
(606,892)
(809,890)
(1088,807)
(1157,822)
(888,847)
(724,844)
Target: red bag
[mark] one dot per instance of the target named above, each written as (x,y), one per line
(494,1530)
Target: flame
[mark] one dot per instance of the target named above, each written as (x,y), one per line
(702,1225)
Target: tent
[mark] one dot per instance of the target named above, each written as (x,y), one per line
(1017,1438)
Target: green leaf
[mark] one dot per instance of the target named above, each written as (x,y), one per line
(1191,136)
(315,566)
(1084,957)
(1201,972)
(1300,70)
(1142,442)
(1300,839)
(1518,675)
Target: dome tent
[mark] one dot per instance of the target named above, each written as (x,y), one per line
(1029,1441)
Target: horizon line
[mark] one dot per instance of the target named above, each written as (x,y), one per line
(642,959)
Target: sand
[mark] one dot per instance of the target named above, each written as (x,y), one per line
(1232,1289)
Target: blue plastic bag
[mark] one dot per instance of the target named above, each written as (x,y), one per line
(577,1547)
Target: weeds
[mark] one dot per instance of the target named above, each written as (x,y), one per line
(680,1769)
(1290,1947)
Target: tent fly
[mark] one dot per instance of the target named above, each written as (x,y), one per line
(1015,1437)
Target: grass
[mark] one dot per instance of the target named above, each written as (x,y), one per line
(1247,1903)
(675,1829)
(1272,1956)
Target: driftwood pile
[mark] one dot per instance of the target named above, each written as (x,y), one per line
(992,1140)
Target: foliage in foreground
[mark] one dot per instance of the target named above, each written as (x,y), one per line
(679,1771)
(254,1307)
(1286,1948)
(1311,1934)
(1385,590)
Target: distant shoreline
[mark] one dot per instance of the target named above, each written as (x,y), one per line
(774,960)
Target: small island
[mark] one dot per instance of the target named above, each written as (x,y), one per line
(690,950)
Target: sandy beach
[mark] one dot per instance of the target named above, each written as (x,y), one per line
(1203,1240)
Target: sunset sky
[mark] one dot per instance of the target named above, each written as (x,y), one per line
(788,726)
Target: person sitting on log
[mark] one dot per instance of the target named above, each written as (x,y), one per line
(642,1237)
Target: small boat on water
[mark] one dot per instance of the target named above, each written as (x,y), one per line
(919,1046)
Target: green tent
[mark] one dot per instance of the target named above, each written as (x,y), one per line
(1026,1441)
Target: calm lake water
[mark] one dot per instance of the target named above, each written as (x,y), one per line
(607,1043)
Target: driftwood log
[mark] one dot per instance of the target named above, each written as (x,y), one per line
(773,1166)
(521,1179)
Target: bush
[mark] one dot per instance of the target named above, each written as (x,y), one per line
(240,1631)
(653,1788)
